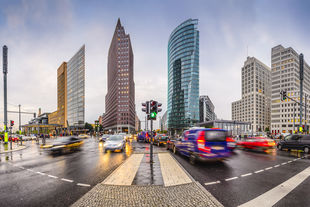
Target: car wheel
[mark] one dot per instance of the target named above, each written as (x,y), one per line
(192,159)
(306,150)
(280,147)
(174,150)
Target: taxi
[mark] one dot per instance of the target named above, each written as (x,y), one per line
(64,145)
(160,140)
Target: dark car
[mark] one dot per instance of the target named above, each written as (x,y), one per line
(203,144)
(297,142)
(160,140)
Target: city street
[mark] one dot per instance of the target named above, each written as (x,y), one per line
(32,177)
(247,175)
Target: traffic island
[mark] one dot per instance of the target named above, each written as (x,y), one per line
(174,186)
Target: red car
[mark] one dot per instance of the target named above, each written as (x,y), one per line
(257,143)
(231,143)
(14,139)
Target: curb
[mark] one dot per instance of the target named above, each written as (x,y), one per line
(24,147)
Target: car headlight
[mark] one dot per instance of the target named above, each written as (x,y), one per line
(59,146)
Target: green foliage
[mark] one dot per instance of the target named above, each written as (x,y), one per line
(89,127)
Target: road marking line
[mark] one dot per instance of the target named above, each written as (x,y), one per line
(284,163)
(268,168)
(295,159)
(84,185)
(233,178)
(290,161)
(244,175)
(52,176)
(21,167)
(30,170)
(277,166)
(274,195)
(67,180)
(41,173)
(258,171)
(211,183)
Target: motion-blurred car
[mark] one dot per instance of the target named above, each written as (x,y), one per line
(115,143)
(297,142)
(231,143)
(83,136)
(257,144)
(103,138)
(64,145)
(14,138)
(160,140)
(203,144)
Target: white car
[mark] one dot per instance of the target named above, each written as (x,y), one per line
(83,136)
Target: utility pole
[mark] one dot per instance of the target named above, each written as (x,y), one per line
(301,78)
(5,71)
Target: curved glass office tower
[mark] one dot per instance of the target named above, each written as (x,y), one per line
(183,76)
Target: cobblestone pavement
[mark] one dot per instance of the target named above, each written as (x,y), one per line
(181,195)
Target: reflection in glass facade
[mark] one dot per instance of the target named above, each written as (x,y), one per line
(76,88)
(183,76)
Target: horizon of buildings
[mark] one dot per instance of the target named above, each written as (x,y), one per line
(183,76)
(120,113)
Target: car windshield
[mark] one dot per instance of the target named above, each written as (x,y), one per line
(115,138)
(215,136)
(288,137)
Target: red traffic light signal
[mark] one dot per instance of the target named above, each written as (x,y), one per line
(12,123)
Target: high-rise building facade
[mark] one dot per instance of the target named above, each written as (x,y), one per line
(60,116)
(206,109)
(76,89)
(254,107)
(183,76)
(120,100)
(285,76)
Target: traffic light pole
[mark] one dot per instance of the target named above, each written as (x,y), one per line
(151,143)
(301,78)
(5,71)
(294,118)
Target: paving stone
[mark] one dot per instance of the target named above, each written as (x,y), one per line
(112,195)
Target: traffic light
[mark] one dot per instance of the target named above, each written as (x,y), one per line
(283,95)
(158,109)
(11,123)
(146,107)
(153,110)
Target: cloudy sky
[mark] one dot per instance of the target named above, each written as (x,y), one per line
(41,34)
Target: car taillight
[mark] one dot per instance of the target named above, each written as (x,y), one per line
(229,139)
(201,142)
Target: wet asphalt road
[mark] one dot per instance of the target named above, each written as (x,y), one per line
(32,177)
(248,186)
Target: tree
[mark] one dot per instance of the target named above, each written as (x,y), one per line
(267,129)
(89,127)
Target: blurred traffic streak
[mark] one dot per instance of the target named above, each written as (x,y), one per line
(64,145)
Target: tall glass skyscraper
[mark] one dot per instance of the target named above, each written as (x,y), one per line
(183,76)
(76,89)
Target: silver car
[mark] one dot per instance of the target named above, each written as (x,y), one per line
(115,143)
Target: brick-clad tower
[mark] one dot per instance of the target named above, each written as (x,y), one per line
(120,99)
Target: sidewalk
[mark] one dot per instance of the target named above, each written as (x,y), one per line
(137,183)
(15,147)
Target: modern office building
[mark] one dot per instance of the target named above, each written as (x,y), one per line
(120,99)
(163,122)
(285,76)
(254,107)
(206,109)
(183,76)
(70,93)
(76,89)
(60,116)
